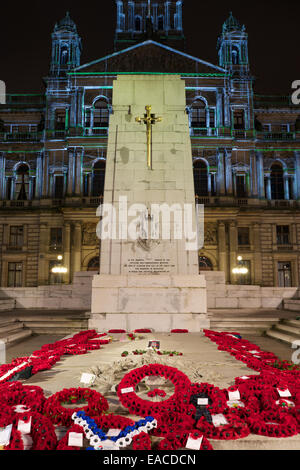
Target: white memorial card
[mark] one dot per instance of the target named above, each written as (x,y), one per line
(284,393)
(234,395)
(5,434)
(202,401)
(127,390)
(109,445)
(24,427)
(194,444)
(219,420)
(75,439)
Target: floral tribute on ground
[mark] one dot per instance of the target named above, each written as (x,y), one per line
(184,415)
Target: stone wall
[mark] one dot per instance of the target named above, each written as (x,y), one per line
(221,295)
(76,296)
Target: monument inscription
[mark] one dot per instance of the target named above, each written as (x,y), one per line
(149,266)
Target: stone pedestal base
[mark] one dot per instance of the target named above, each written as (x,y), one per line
(158,302)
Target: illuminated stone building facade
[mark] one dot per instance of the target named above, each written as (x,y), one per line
(246,153)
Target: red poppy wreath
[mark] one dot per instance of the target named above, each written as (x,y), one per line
(54,409)
(178,402)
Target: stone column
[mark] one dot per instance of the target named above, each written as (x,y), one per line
(77,248)
(232,249)
(222,248)
(78,179)
(257,255)
(38,177)
(297,174)
(260,174)
(71,174)
(221,174)
(67,250)
(286,187)
(269,192)
(2,176)
(228,171)
(209,183)
(43,248)
(253,175)
(80,116)
(227,110)
(219,109)
(45,185)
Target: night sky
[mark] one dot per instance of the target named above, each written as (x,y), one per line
(273,29)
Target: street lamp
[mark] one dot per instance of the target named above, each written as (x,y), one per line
(59,268)
(240,268)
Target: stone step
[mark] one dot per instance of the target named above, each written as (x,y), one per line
(7,304)
(57,330)
(281,336)
(295,323)
(289,329)
(245,319)
(15,338)
(10,327)
(55,318)
(243,324)
(61,324)
(292,304)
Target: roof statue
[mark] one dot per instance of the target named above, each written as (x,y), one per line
(66,23)
(232,24)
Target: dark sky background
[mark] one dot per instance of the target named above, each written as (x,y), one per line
(273,28)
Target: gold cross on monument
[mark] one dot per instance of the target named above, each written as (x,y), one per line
(149,119)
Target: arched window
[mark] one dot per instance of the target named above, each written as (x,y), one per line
(138,23)
(98,178)
(277,183)
(94,264)
(100,113)
(235,55)
(198,114)
(205,264)
(64,55)
(200,178)
(22,182)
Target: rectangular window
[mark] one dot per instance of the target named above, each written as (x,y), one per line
(243,236)
(213,184)
(14,278)
(16,237)
(238,119)
(267,127)
(283,234)
(8,188)
(241,186)
(60,119)
(284,274)
(86,185)
(56,239)
(58,186)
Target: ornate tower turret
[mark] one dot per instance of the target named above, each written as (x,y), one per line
(233,56)
(66,47)
(139,20)
(233,47)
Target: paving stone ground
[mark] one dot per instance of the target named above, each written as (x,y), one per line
(215,367)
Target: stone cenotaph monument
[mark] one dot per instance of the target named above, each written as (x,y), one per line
(149,229)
